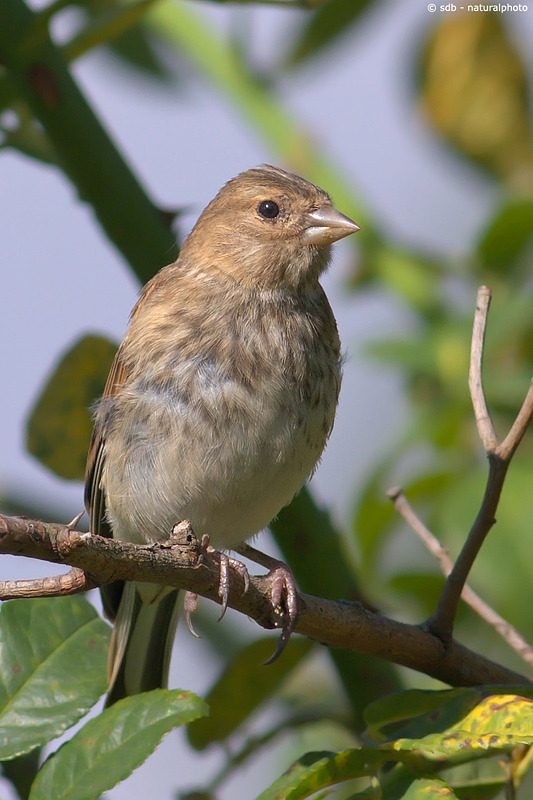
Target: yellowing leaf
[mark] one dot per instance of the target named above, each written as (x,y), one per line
(474,91)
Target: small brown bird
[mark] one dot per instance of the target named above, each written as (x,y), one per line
(221,397)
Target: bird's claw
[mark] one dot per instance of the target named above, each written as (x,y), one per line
(74,522)
(224,582)
(190,604)
(283,593)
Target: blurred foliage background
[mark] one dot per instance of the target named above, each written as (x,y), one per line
(473,86)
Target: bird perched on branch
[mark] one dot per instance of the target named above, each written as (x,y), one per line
(220,399)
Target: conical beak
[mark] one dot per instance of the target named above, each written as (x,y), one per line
(327,225)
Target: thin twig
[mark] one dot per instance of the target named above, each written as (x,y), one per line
(500,625)
(507,448)
(499,456)
(485,427)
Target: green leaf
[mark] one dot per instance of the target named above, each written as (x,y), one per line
(429,789)
(479,790)
(119,26)
(108,748)
(60,423)
(414,279)
(21,771)
(29,139)
(425,587)
(8,92)
(53,655)
(374,516)
(243,686)
(136,48)
(314,771)
(26,136)
(325,26)
(440,352)
(509,237)
(300,531)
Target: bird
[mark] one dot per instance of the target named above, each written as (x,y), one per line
(220,399)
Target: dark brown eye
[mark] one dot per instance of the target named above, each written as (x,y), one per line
(268,209)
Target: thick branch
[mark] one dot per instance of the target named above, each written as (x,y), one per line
(183,563)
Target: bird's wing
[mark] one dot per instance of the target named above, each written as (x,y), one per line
(94,494)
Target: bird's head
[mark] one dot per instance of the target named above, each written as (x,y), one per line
(268,229)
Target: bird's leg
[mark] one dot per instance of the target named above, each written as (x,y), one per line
(283,587)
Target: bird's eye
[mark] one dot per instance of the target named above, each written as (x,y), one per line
(268,209)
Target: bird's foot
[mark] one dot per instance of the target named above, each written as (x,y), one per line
(283,592)
(225,562)
(284,602)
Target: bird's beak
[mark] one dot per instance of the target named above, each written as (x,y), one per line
(327,225)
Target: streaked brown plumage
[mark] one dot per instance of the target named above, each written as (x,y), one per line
(221,396)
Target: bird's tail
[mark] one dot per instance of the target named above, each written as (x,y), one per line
(141,643)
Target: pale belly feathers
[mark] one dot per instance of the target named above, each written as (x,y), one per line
(224,457)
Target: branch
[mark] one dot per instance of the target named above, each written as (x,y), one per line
(499,456)
(500,625)
(72,582)
(182,563)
